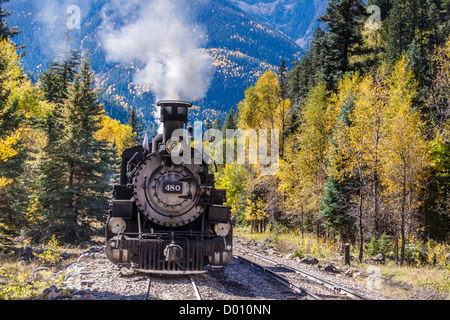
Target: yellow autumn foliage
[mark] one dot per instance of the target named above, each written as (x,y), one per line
(406,153)
(254,211)
(6,152)
(113,132)
(6,147)
(29,97)
(304,170)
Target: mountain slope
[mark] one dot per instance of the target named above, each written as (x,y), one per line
(242,48)
(295,18)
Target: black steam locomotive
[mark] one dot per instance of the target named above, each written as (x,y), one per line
(168,218)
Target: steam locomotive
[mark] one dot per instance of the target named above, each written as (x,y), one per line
(167,217)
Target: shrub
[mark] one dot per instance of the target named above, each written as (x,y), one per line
(437,253)
(416,254)
(20,282)
(373,248)
(51,254)
(386,246)
(383,245)
(298,253)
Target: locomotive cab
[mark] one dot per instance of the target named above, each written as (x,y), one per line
(167,218)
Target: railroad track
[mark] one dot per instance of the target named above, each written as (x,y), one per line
(285,276)
(281,279)
(191,280)
(306,284)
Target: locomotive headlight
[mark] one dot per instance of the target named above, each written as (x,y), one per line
(222,229)
(117,225)
(174,146)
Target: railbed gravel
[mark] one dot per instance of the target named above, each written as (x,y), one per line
(366,287)
(93,277)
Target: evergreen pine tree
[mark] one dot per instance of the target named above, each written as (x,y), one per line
(412,20)
(5,31)
(282,75)
(419,24)
(208,124)
(217,125)
(434,19)
(344,20)
(56,81)
(418,63)
(334,211)
(337,194)
(136,123)
(302,77)
(300,80)
(54,84)
(398,38)
(293,83)
(445,18)
(230,122)
(384,5)
(77,169)
(317,56)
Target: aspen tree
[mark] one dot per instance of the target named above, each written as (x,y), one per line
(336,206)
(6,152)
(406,154)
(264,109)
(358,144)
(303,171)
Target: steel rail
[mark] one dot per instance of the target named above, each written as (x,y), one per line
(194,285)
(329,284)
(281,279)
(147,291)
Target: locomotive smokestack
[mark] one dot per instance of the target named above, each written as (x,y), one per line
(174,115)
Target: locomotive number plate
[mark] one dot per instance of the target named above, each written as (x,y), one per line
(173,187)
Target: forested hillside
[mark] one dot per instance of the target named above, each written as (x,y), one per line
(241,46)
(364,132)
(58,148)
(295,18)
(57,80)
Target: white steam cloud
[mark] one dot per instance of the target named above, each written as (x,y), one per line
(160,34)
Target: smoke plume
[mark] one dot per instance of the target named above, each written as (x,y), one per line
(161,34)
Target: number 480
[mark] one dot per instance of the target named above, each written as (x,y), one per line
(173,187)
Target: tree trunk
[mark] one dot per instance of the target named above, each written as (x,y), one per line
(347,253)
(361,238)
(396,248)
(375,204)
(402,223)
(303,224)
